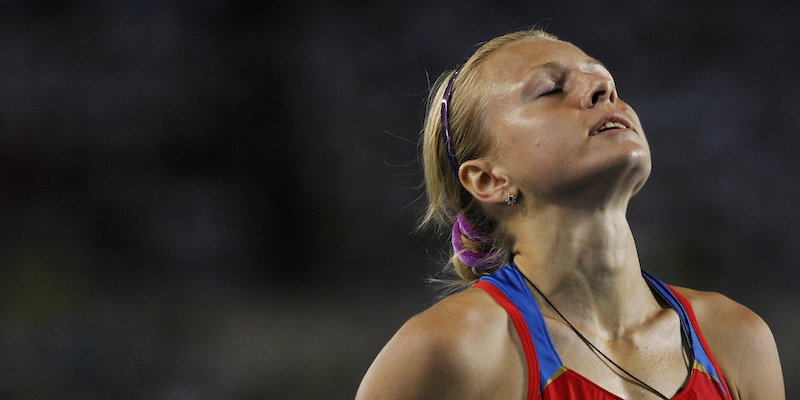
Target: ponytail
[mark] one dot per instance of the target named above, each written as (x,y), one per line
(454,132)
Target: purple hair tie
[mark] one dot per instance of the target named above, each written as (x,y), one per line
(451,155)
(462,226)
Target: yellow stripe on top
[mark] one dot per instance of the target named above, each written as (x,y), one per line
(556,375)
(702,369)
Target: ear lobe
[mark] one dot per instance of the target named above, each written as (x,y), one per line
(481,179)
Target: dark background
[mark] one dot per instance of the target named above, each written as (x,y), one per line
(215,200)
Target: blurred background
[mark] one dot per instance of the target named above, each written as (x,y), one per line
(215,199)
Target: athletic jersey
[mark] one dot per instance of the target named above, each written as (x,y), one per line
(550,379)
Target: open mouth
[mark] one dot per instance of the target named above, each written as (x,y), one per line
(608,126)
(614,123)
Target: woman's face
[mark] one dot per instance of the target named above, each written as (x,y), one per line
(559,127)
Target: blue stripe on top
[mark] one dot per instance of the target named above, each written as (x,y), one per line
(509,281)
(699,353)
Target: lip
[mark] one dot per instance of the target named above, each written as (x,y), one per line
(611,118)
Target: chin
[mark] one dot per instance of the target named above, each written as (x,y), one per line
(641,166)
(621,175)
(612,175)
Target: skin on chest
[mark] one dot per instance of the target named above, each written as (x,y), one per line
(656,356)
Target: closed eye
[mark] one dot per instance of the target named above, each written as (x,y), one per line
(554,90)
(550,86)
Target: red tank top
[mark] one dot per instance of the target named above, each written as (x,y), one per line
(549,379)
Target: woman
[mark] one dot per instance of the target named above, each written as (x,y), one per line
(532,158)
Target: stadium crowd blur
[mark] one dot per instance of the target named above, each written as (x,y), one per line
(216,200)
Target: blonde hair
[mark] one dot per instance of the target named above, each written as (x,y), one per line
(471,138)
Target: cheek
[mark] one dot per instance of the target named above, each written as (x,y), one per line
(537,159)
(520,135)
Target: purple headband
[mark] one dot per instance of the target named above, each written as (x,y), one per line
(451,155)
(462,226)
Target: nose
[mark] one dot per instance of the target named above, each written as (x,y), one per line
(600,89)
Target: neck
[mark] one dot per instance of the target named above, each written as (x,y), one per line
(586,263)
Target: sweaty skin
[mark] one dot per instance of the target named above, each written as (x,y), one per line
(548,107)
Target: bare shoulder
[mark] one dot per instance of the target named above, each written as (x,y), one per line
(455,349)
(718,315)
(742,344)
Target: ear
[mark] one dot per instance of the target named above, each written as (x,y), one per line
(484,180)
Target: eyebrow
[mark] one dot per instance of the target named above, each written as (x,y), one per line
(557,65)
(553,67)
(595,63)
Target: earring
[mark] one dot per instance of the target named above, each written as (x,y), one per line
(510,199)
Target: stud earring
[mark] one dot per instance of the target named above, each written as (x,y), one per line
(510,199)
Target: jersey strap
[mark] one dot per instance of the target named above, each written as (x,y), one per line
(549,379)
(703,360)
(510,283)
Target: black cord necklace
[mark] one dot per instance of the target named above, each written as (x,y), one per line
(583,338)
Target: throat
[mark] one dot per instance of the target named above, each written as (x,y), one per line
(588,265)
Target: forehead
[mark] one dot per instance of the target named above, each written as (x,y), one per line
(515,60)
